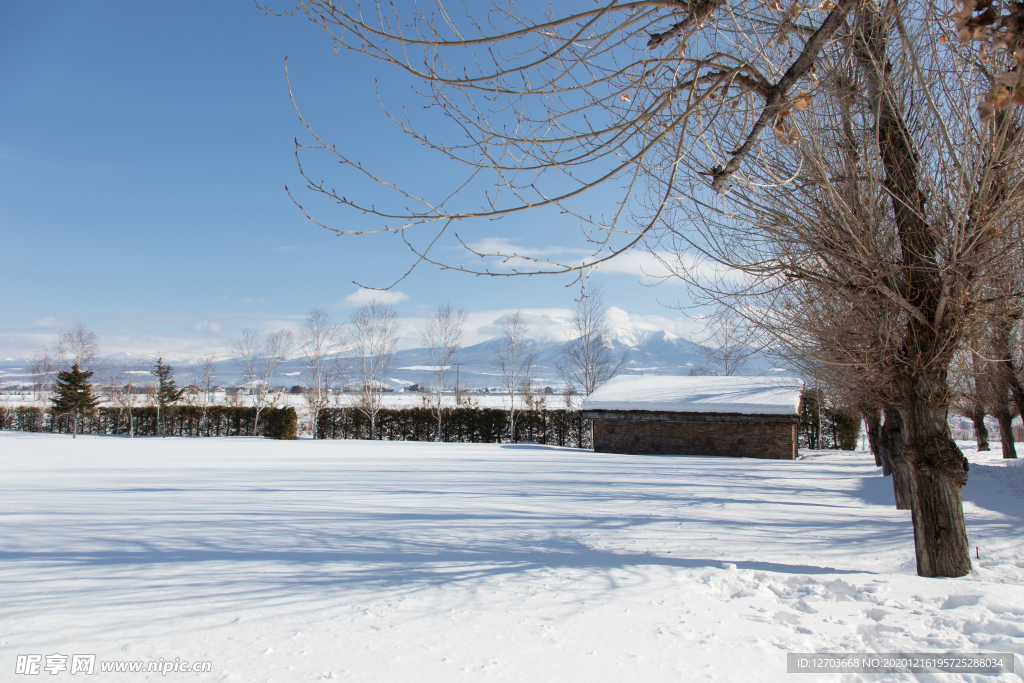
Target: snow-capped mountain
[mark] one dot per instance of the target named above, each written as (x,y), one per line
(645,352)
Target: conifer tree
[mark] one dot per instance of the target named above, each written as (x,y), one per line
(167,391)
(74,395)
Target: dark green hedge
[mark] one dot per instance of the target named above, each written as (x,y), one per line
(277,423)
(460,425)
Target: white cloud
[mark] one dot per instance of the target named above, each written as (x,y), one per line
(206,326)
(650,267)
(361,297)
(48,321)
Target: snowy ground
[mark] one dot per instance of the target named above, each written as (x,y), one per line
(347,560)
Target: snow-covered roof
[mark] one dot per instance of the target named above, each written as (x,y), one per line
(743,395)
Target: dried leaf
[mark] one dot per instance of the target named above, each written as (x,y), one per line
(802,103)
(780,130)
(1018,58)
(942,40)
(1018,95)
(783,39)
(1009,78)
(827,5)
(986,110)
(964,36)
(785,112)
(775,6)
(624,97)
(814,79)
(792,137)
(1002,98)
(983,54)
(794,11)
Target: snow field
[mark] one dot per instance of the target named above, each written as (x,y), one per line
(385,561)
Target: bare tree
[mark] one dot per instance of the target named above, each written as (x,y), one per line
(587,359)
(42,370)
(77,345)
(202,378)
(442,338)
(727,343)
(970,382)
(127,394)
(320,343)
(514,361)
(260,354)
(372,340)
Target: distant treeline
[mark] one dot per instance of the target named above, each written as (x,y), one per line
(274,423)
(460,425)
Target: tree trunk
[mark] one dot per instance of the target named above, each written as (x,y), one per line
(939,470)
(1006,430)
(873,420)
(980,430)
(980,392)
(891,451)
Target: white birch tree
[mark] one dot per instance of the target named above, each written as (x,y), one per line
(320,342)
(442,337)
(260,354)
(587,358)
(372,340)
(514,361)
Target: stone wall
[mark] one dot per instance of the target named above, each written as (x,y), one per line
(749,436)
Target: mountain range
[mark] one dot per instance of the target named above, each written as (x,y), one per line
(645,352)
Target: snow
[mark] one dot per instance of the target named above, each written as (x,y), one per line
(384,561)
(742,395)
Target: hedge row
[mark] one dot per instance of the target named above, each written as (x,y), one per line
(460,425)
(275,423)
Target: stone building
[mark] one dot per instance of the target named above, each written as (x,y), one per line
(751,417)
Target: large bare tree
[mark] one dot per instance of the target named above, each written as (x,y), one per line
(442,337)
(372,340)
(588,359)
(938,224)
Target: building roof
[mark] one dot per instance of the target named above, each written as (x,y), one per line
(742,395)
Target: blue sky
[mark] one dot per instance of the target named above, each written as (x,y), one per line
(144,150)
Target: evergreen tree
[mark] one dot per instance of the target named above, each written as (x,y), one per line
(167,390)
(74,395)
